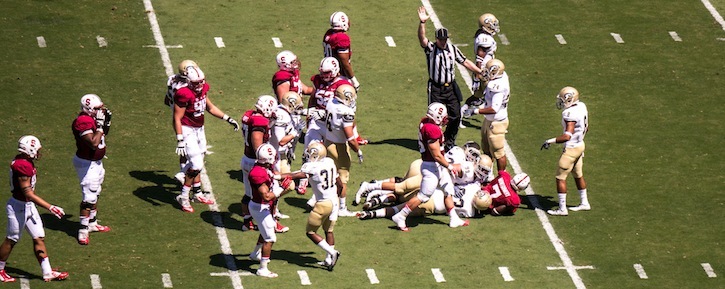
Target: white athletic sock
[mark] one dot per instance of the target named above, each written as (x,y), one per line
(84,221)
(185,191)
(263,263)
(375,186)
(583,195)
(329,249)
(379,213)
(45,266)
(343,202)
(562,201)
(2,265)
(405,211)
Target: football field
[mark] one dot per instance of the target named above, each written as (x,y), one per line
(650,72)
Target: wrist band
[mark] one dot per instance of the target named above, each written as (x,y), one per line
(179,137)
(225,117)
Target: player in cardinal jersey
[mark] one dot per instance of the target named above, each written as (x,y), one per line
(336,43)
(174,83)
(575,123)
(190,104)
(22,212)
(503,190)
(287,80)
(90,149)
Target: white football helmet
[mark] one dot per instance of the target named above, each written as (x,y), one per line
(472,151)
(315,151)
(30,146)
(339,21)
(567,97)
(266,104)
(520,181)
(291,101)
(90,103)
(286,60)
(484,166)
(494,69)
(438,113)
(266,154)
(346,94)
(184,64)
(482,200)
(196,78)
(488,23)
(329,68)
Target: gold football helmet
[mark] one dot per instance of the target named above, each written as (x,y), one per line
(292,101)
(484,166)
(184,64)
(315,151)
(567,97)
(494,69)
(488,23)
(346,94)
(482,200)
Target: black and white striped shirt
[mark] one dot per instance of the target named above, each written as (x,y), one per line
(441,62)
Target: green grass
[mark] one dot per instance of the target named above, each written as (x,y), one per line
(654,158)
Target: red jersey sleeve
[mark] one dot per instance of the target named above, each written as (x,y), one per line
(341,42)
(84,123)
(184,97)
(23,167)
(258,175)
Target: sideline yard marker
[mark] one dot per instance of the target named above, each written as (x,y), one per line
(101,41)
(438,275)
(372,277)
(41,41)
(675,37)
(708,270)
(304,279)
(219,42)
(640,271)
(560,38)
(277,42)
(390,41)
(96,281)
(506,274)
(617,37)
(166,280)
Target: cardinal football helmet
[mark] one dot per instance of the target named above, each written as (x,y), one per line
(472,151)
(266,104)
(482,200)
(286,60)
(90,103)
(183,66)
(494,69)
(291,101)
(196,78)
(30,146)
(339,21)
(484,166)
(315,151)
(520,181)
(438,113)
(488,23)
(346,94)
(329,68)
(266,154)
(567,97)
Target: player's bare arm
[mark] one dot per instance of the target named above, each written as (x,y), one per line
(435,150)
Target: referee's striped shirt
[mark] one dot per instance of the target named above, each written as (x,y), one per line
(441,62)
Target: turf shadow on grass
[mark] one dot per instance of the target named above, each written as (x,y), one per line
(413,222)
(62,225)
(164,190)
(235,175)
(226,221)
(469,125)
(19,272)
(411,144)
(542,202)
(299,202)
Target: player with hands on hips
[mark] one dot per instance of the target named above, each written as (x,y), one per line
(22,212)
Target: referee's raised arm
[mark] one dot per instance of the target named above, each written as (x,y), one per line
(423,15)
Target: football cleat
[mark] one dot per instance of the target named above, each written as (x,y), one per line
(458,223)
(362,192)
(400,222)
(266,273)
(582,207)
(98,228)
(280,228)
(346,213)
(332,264)
(365,215)
(558,212)
(279,215)
(83,237)
(5,277)
(185,205)
(248,225)
(202,198)
(55,276)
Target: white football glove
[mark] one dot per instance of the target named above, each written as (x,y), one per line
(355,83)
(476,84)
(57,211)
(100,118)
(181,148)
(466,111)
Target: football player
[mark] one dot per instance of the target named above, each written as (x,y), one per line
(190,104)
(22,212)
(496,95)
(484,47)
(285,80)
(173,84)
(282,136)
(89,130)
(575,123)
(503,188)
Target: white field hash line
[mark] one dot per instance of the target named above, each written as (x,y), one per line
(714,13)
(218,224)
(543,218)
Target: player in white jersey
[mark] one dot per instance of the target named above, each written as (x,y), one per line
(284,130)
(484,47)
(575,123)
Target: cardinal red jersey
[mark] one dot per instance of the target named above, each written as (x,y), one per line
(501,191)
(194,105)
(293,77)
(336,42)
(21,167)
(324,91)
(429,132)
(257,176)
(82,125)
(254,121)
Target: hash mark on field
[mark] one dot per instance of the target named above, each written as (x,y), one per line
(708,270)
(304,279)
(675,37)
(560,38)
(640,271)
(505,273)
(219,42)
(41,41)
(101,41)
(390,41)
(226,274)
(372,277)
(277,42)
(24,283)
(504,40)
(166,280)
(438,275)
(617,37)
(551,268)
(96,281)
(167,46)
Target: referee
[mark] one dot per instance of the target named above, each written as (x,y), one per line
(442,86)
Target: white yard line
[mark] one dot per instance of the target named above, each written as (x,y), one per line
(714,13)
(390,41)
(438,275)
(372,276)
(277,42)
(96,281)
(229,259)
(504,39)
(708,270)
(505,274)
(304,279)
(640,271)
(617,37)
(24,283)
(543,218)
(166,280)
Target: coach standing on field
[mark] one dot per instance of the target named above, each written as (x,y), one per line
(442,85)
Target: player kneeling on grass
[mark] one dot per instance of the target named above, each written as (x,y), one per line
(22,212)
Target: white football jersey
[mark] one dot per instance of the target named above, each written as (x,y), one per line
(485,41)
(455,155)
(468,175)
(463,199)
(338,117)
(322,175)
(496,95)
(174,83)
(577,113)
(282,127)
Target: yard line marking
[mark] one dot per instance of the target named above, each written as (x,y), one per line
(640,271)
(617,37)
(560,38)
(226,274)
(41,41)
(708,270)
(675,37)
(101,41)
(24,283)
(505,273)
(721,39)
(551,268)
(96,281)
(304,279)
(219,42)
(714,13)
(372,277)
(226,248)
(166,280)
(167,46)
(390,41)
(504,40)
(543,218)
(277,42)
(438,275)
